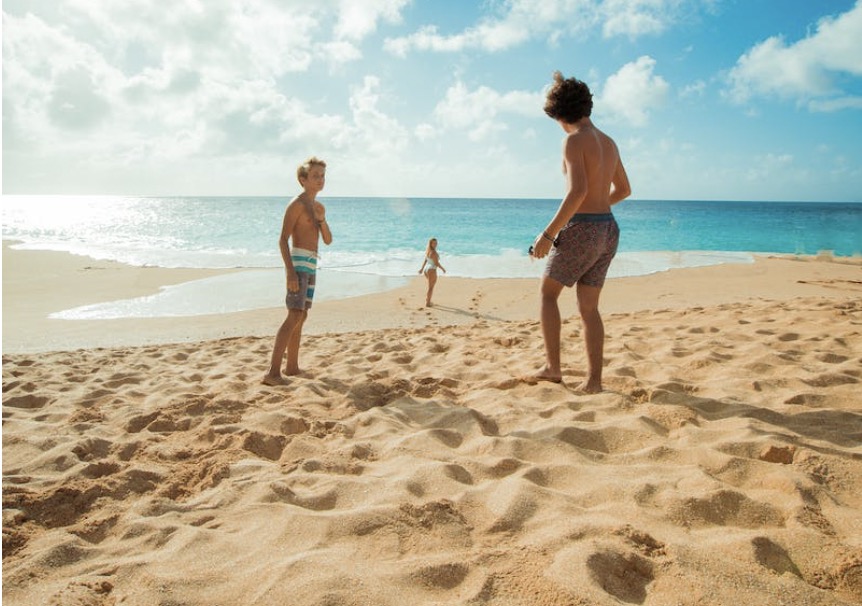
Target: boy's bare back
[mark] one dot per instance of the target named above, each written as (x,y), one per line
(591,160)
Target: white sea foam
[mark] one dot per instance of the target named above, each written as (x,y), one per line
(263,288)
(379,242)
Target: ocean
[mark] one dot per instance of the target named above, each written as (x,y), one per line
(378,243)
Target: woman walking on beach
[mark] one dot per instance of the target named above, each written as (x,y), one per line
(429,266)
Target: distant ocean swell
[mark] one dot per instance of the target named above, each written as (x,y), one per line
(379,242)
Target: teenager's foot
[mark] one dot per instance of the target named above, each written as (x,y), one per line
(274,381)
(293,372)
(541,376)
(590,387)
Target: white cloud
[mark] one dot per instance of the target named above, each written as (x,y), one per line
(521,20)
(377,134)
(223,96)
(122,83)
(340,51)
(769,165)
(633,92)
(218,37)
(53,81)
(425,131)
(806,69)
(479,111)
(835,104)
(487,36)
(634,17)
(358,18)
(695,89)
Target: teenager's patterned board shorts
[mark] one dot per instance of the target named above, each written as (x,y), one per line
(302,298)
(584,250)
(305,266)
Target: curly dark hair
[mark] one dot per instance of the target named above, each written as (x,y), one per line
(568,99)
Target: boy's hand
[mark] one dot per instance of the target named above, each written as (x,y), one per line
(319,212)
(292,281)
(541,247)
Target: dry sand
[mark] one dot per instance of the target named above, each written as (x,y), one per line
(144,463)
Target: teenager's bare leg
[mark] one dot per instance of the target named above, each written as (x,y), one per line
(551,324)
(431,274)
(282,340)
(594,336)
(292,367)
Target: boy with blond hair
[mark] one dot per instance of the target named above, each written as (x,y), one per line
(303,225)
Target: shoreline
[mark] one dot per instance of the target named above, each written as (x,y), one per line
(39,283)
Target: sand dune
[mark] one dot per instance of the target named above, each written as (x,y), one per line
(722,465)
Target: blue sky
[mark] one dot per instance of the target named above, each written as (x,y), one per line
(707,99)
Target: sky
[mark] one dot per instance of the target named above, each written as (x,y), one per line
(706,99)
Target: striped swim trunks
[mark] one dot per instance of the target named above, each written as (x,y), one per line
(584,250)
(305,265)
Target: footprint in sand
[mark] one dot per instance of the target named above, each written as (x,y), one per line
(91,592)
(625,576)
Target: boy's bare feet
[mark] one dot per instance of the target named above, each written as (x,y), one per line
(292,372)
(542,375)
(274,381)
(590,387)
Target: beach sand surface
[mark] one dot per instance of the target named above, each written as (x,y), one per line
(144,462)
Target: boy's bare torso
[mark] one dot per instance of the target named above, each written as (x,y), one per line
(301,216)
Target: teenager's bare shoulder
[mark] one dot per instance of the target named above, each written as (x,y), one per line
(294,205)
(575,143)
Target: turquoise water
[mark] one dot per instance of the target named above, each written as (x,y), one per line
(379,242)
(371,232)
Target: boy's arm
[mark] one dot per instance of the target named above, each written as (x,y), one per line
(576,191)
(320,219)
(287,227)
(620,186)
(325,234)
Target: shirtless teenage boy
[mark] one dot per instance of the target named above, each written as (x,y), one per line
(304,221)
(582,236)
